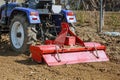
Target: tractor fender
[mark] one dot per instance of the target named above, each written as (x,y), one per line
(31,14)
(69,16)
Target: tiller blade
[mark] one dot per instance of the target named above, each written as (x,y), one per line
(68,50)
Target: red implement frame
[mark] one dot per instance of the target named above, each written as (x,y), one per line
(54,53)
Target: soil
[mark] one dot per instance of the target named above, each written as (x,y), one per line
(14,66)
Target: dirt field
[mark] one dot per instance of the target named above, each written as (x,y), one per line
(15,66)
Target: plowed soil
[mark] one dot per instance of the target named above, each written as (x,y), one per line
(14,66)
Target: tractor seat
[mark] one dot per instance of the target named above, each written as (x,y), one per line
(42,3)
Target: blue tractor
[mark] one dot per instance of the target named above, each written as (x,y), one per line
(33,21)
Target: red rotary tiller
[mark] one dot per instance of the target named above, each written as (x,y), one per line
(67,48)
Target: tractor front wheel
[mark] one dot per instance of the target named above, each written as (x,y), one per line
(22,34)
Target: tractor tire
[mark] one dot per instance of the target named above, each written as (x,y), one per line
(22,34)
(72,28)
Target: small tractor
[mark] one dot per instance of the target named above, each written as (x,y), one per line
(47,31)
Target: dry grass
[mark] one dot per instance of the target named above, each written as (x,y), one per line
(111,19)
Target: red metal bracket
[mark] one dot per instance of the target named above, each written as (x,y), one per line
(60,40)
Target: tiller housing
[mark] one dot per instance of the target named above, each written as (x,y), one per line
(67,48)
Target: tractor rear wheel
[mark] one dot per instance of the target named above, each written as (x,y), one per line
(22,34)
(72,28)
